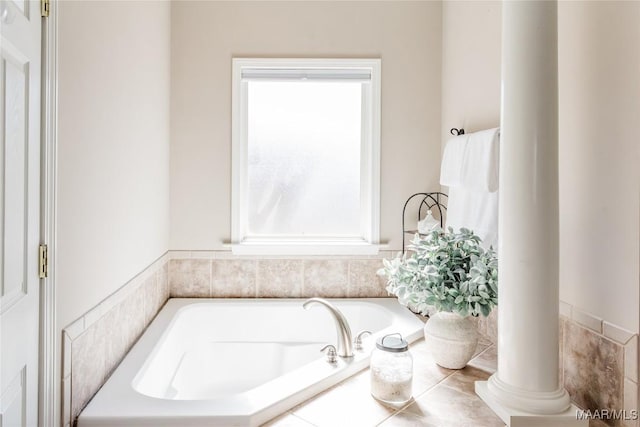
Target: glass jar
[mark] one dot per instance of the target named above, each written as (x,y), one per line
(391,370)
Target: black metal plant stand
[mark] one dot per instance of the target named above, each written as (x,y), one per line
(428,203)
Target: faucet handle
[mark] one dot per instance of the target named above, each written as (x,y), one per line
(357,342)
(332,354)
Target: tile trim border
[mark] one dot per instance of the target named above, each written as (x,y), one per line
(227,254)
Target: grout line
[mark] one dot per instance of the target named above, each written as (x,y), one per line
(303,419)
(416,397)
(301,292)
(211,278)
(562,353)
(481,353)
(257,277)
(349,279)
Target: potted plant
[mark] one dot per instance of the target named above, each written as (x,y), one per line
(448,273)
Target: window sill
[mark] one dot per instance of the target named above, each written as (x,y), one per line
(305,248)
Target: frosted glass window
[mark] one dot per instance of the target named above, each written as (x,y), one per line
(305,175)
(304,142)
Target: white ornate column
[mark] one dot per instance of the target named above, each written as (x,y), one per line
(526,389)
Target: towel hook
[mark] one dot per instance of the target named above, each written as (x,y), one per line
(456,131)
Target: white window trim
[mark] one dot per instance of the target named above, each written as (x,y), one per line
(370,166)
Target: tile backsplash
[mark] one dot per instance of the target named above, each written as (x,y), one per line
(593,369)
(598,360)
(94,344)
(210,274)
(600,368)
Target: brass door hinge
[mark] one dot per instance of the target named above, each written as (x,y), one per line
(43,263)
(44,8)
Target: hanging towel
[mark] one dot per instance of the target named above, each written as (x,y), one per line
(475,210)
(453,160)
(481,162)
(470,166)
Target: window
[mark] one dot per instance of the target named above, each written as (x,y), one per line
(306,156)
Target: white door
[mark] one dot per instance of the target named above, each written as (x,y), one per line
(20,51)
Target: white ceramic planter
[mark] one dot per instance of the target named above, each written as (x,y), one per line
(451,338)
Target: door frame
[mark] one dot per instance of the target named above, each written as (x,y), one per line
(50,352)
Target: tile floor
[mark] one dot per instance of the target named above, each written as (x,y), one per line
(441,398)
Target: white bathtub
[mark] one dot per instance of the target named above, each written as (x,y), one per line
(216,362)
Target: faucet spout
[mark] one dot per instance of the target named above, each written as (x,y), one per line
(343,330)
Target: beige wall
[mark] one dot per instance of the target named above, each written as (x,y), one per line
(113,147)
(599,65)
(470,65)
(206,35)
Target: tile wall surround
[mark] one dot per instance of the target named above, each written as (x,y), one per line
(220,274)
(600,364)
(598,360)
(94,344)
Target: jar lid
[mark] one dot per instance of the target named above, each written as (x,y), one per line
(392,343)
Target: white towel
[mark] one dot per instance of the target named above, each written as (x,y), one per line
(470,169)
(453,160)
(481,162)
(475,210)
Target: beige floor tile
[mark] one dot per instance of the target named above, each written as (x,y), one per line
(405,419)
(426,373)
(444,398)
(483,344)
(452,403)
(487,360)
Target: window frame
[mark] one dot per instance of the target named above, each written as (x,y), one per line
(242,244)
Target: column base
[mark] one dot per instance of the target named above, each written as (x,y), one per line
(517,418)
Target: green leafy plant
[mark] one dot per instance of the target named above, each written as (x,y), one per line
(447,271)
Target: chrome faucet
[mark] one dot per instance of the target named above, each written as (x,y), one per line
(342,326)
